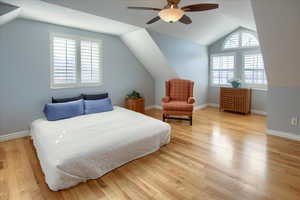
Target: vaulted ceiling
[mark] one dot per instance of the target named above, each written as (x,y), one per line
(207,26)
(112,16)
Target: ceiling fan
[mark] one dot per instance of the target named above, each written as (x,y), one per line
(172,13)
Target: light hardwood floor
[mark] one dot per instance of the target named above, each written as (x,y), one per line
(222,156)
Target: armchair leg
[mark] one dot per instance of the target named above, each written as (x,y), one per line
(191,120)
(164,118)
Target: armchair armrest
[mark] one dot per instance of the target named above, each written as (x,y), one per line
(191,100)
(166,99)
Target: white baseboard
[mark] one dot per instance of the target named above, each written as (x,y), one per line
(15,135)
(213,105)
(258,112)
(153,107)
(200,107)
(149,107)
(282,134)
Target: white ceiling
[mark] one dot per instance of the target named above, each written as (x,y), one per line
(112,16)
(207,26)
(51,13)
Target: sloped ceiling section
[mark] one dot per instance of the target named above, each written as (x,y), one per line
(278,30)
(6,8)
(148,53)
(51,13)
(8,13)
(206,28)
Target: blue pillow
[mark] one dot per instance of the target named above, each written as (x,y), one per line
(97,106)
(57,111)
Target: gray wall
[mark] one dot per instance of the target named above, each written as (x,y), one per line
(259,97)
(25,72)
(278,28)
(190,61)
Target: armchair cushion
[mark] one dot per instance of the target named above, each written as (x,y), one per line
(178,106)
(191,100)
(166,99)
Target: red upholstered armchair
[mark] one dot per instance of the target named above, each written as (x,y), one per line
(179,99)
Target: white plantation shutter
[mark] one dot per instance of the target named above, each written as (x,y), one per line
(254,70)
(75,62)
(233,41)
(64,61)
(90,62)
(222,69)
(249,40)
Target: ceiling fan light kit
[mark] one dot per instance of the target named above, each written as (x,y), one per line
(172,13)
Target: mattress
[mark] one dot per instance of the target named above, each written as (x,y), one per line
(86,147)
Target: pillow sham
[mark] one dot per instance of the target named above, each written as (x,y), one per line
(58,111)
(97,106)
(94,96)
(64,100)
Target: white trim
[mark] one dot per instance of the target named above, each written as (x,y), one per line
(213,105)
(258,89)
(15,135)
(282,134)
(150,107)
(157,107)
(258,112)
(199,107)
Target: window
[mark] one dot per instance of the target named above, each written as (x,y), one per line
(233,41)
(90,62)
(249,40)
(64,61)
(254,70)
(241,39)
(76,62)
(222,69)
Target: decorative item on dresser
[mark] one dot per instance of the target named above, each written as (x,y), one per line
(235,100)
(135,102)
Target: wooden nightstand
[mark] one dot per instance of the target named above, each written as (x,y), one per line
(235,100)
(137,105)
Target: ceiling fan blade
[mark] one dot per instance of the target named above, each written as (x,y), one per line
(185,19)
(200,7)
(144,8)
(155,19)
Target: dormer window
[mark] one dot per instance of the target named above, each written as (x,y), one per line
(241,39)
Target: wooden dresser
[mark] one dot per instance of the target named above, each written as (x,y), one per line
(137,105)
(235,100)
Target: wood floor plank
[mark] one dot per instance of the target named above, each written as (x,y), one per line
(223,156)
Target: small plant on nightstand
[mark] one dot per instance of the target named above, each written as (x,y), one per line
(134,101)
(133,95)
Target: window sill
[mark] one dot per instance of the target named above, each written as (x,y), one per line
(258,89)
(75,86)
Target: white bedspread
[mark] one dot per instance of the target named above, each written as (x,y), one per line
(86,147)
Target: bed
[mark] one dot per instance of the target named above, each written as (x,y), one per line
(86,147)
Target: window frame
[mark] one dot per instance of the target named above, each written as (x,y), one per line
(78,40)
(211,68)
(240,32)
(254,86)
